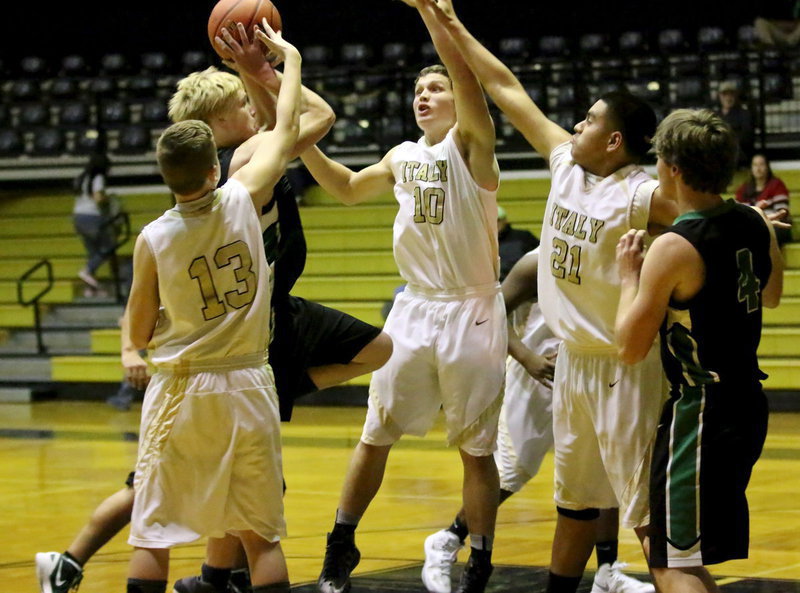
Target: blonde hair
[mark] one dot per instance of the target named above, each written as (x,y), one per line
(701,145)
(186,153)
(202,95)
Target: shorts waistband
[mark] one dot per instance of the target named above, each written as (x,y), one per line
(230,363)
(454,294)
(591,350)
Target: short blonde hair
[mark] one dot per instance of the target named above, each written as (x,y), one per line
(186,153)
(202,95)
(701,145)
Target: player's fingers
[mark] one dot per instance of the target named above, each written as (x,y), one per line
(243,33)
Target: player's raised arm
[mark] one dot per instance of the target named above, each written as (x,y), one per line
(500,83)
(269,160)
(262,83)
(475,129)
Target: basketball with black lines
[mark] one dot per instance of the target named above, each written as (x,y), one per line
(227,13)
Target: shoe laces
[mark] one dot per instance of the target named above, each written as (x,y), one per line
(338,558)
(476,575)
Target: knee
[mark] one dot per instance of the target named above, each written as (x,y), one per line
(379,350)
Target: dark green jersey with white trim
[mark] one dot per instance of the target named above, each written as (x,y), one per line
(714,336)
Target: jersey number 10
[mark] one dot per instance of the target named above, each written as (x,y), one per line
(429,205)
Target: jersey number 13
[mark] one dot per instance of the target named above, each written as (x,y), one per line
(245,291)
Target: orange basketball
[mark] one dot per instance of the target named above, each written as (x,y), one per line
(227,13)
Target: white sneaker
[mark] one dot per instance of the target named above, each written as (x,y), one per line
(441,549)
(57,573)
(609,578)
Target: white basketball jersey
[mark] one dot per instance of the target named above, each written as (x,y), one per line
(445,232)
(585,217)
(212,280)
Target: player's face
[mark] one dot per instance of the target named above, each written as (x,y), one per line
(590,142)
(433,101)
(241,118)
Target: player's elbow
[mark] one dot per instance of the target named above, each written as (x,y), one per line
(629,355)
(630,350)
(770,300)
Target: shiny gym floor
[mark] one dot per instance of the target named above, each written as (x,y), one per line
(58,460)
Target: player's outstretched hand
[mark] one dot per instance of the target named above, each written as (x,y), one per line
(630,254)
(540,368)
(443,9)
(135,369)
(246,56)
(279,48)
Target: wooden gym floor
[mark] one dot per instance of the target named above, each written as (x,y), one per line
(58,460)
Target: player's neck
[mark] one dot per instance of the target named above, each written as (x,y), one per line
(690,200)
(193,197)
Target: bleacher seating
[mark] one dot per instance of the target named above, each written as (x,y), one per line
(672,68)
(350,266)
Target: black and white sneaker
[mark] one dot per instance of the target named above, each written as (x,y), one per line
(194,585)
(475,576)
(341,557)
(57,573)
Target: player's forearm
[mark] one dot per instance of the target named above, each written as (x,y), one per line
(262,99)
(516,349)
(287,109)
(333,177)
(625,334)
(316,120)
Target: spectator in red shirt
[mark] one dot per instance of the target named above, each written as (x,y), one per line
(767,192)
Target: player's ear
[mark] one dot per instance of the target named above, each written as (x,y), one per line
(614,141)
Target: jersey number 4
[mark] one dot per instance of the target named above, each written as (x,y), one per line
(429,205)
(749,284)
(243,273)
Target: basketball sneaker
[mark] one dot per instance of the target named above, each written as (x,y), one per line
(475,576)
(57,573)
(609,578)
(341,557)
(441,549)
(194,585)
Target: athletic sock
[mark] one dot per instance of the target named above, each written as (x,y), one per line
(145,586)
(216,577)
(481,543)
(460,528)
(345,523)
(558,584)
(606,552)
(72,558)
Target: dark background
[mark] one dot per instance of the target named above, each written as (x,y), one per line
(94,28)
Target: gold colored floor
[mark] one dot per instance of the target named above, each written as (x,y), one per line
(49,486)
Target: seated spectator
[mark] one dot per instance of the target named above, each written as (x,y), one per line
(778,23)
(738,117)
(514,243)
(767,192)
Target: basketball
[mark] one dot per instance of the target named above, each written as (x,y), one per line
(227,13)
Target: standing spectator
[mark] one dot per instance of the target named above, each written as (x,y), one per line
(514,243)
(91,211)
(738,117)
(767,192)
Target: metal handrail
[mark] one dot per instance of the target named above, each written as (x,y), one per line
(37,320)
(122,221)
